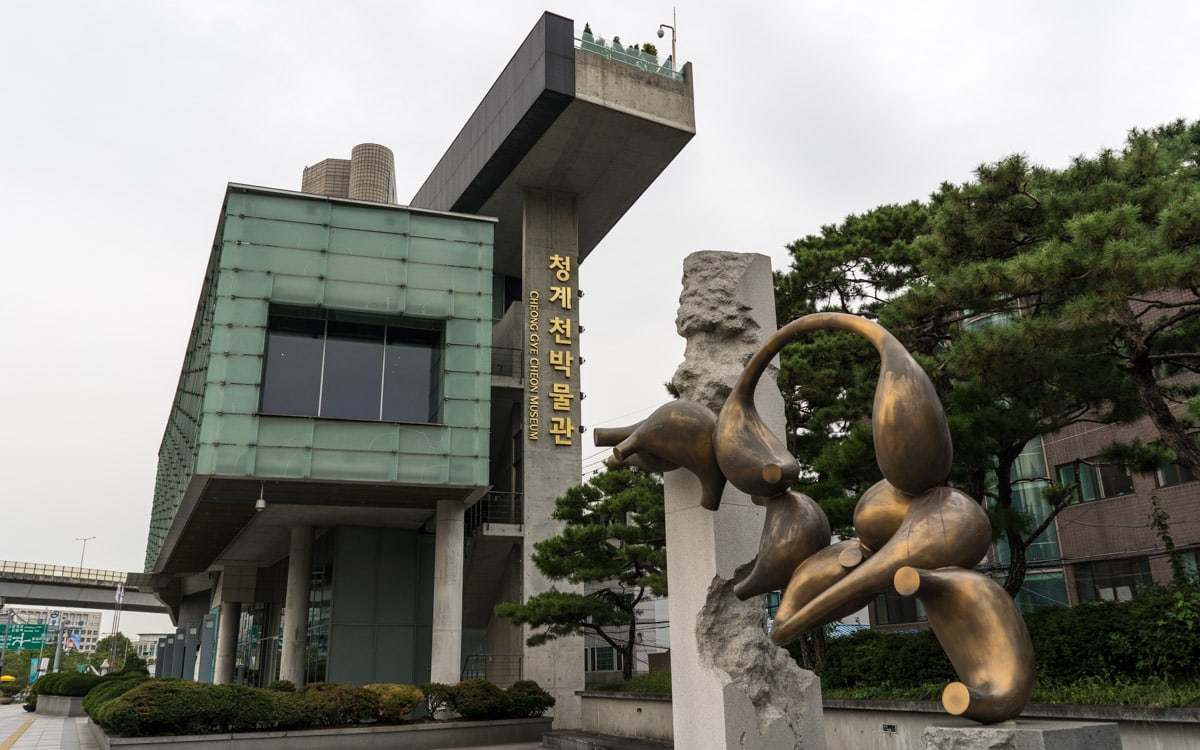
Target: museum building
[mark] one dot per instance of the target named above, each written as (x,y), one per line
(379,404)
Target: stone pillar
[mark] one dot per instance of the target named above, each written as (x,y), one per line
(731,687)
(228,622)
(295,606)
(446,664)
(550,425)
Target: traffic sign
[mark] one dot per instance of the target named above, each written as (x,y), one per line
(24,637)
(54,615)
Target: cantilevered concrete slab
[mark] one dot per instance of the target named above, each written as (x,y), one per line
(563,119)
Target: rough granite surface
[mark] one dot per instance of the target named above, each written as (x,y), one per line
(721,335)
(733,640)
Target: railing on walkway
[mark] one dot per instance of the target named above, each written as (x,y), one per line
(501,670)
(630,56)
(496,507)
(40,572)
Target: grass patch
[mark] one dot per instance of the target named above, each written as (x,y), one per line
(655,682)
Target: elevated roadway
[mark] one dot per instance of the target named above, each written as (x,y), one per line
(40,585)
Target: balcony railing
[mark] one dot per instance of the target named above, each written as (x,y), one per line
(501,670)
(630,56)
(497,507)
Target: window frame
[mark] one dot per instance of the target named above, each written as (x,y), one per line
(315,387)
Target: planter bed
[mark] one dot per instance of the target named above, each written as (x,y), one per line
(60,705)
(425,736)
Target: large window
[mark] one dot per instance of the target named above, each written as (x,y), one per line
(1112,580)
(324,363)
(1097,480)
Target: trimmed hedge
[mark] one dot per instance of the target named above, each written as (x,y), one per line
(1157,633)
(68,684)
(141,707)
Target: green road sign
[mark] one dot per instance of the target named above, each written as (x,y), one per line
(24,637)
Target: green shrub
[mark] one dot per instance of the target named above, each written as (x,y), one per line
(330,704)
(162,707)
(529,699)
(869,657)
(288,710)
(480,699)
(438,696)
(285,686)
(395,701)
(108,689)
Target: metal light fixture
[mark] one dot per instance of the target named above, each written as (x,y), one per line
(671,26)
(261,503)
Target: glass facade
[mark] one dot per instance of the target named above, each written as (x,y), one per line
(386,313)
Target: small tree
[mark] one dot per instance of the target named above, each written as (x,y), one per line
(614,538)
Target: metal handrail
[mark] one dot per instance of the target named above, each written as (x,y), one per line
(496,507)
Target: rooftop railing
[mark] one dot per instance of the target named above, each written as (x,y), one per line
(629,55)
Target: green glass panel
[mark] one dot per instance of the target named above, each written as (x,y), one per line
(464,442)
(440,253)
(468,332)
(235,368)
(451,228)
(277,431)
(466,358)
(353,465)
(368,244)
(422,469)
(285,463)
(237,340)
(375,218)
(231,398)
(287,207)
(236,429)
(377,437)
(464,413)
(368,270)
(283,260)
(240,311)
(246,284)
(270,233)
(206,463)
(236,460)
(472,306)
(425,276)
(426,302)
(424,439)
(464,471)
(460,385)
(297,290)
(470,280)
(353,295)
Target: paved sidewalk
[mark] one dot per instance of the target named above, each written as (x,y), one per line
(21,730)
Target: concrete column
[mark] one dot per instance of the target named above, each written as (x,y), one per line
(446,664)
(551,441)
(731,687)
(295,606)
(227,637)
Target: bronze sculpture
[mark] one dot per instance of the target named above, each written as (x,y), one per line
(913,533)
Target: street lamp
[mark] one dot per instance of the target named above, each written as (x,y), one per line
(671,26)
(85,540)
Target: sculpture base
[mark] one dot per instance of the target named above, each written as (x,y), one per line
(1031,734)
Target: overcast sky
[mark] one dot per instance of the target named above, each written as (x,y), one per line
(122,121)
